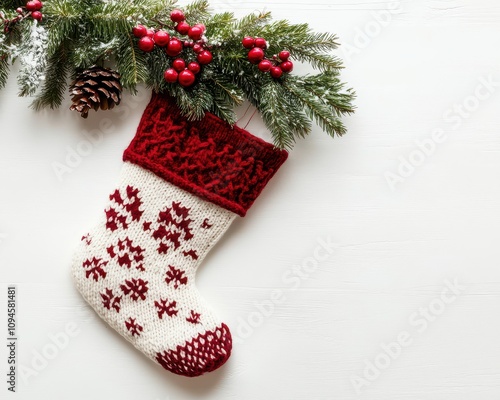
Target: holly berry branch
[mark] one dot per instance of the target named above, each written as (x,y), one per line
(207,62)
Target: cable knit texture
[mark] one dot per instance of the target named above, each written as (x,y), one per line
(224,165)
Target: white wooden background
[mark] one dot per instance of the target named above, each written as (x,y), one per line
(373,320)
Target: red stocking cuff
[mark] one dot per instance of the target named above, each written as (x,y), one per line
(224,165)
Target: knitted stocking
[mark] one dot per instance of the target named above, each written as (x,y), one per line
(181,186)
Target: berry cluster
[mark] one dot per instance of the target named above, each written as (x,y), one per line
(276,66)
(33,6)
(32,9)
(181,71)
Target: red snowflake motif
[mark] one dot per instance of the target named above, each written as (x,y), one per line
(137,288)
(126,204)
(205,224)
(173,226)
(133,327)
(127,254)
(194,318)
(190,253)
(165,307)
(87,239)
(109,300)
(95,267)
(175,275)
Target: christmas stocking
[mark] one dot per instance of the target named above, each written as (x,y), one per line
(181,186)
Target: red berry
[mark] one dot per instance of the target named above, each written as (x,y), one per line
(286,66)
(146,44)
(203,27)
(256,55)
(174,48)
(171,75)
(284,55)
(248,42)
(161,38)
(177,16)
(197,48)
(179,64)
(139,31)
(186,78)
(150,33)
(34,5)
(276,72)
(205,57)
(183,28)
(265,65)
(37,15)
(195,33)
(194,67)
(261,42)
(19,10)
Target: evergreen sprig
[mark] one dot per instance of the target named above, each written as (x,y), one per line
(83,33)
(4,69)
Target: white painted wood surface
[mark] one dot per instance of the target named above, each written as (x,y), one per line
(421,74)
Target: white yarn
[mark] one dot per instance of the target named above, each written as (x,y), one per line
(158,334)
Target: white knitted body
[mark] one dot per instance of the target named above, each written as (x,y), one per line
(137,269)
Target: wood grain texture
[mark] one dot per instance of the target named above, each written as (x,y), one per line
(393,251)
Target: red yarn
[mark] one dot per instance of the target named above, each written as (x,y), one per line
(205,353)
(224,165)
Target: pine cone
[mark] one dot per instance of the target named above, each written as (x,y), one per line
(97,88)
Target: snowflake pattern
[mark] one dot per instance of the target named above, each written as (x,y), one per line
(166,307)
(87,239)
(136,288)
(176,276)
(206,224)
(194,317)
(95,267)
(191,253)
(127,254)
(110,301)
(133,327)
(171,230)
(125,204)
(172,227)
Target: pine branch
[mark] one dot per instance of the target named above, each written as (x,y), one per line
(328,87)
(109,19)
(157,62)
(226,96)
(52,93)
(4,60)
(236,68)
(228,89)
(194,102)
(32,57)
(92,51)
(131,63)
(326,112)
(216,23)
(86,32)
(197,11)
(63,21)
(282,115)
(4,69)
(304,44)
(251,22)
(11,4)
